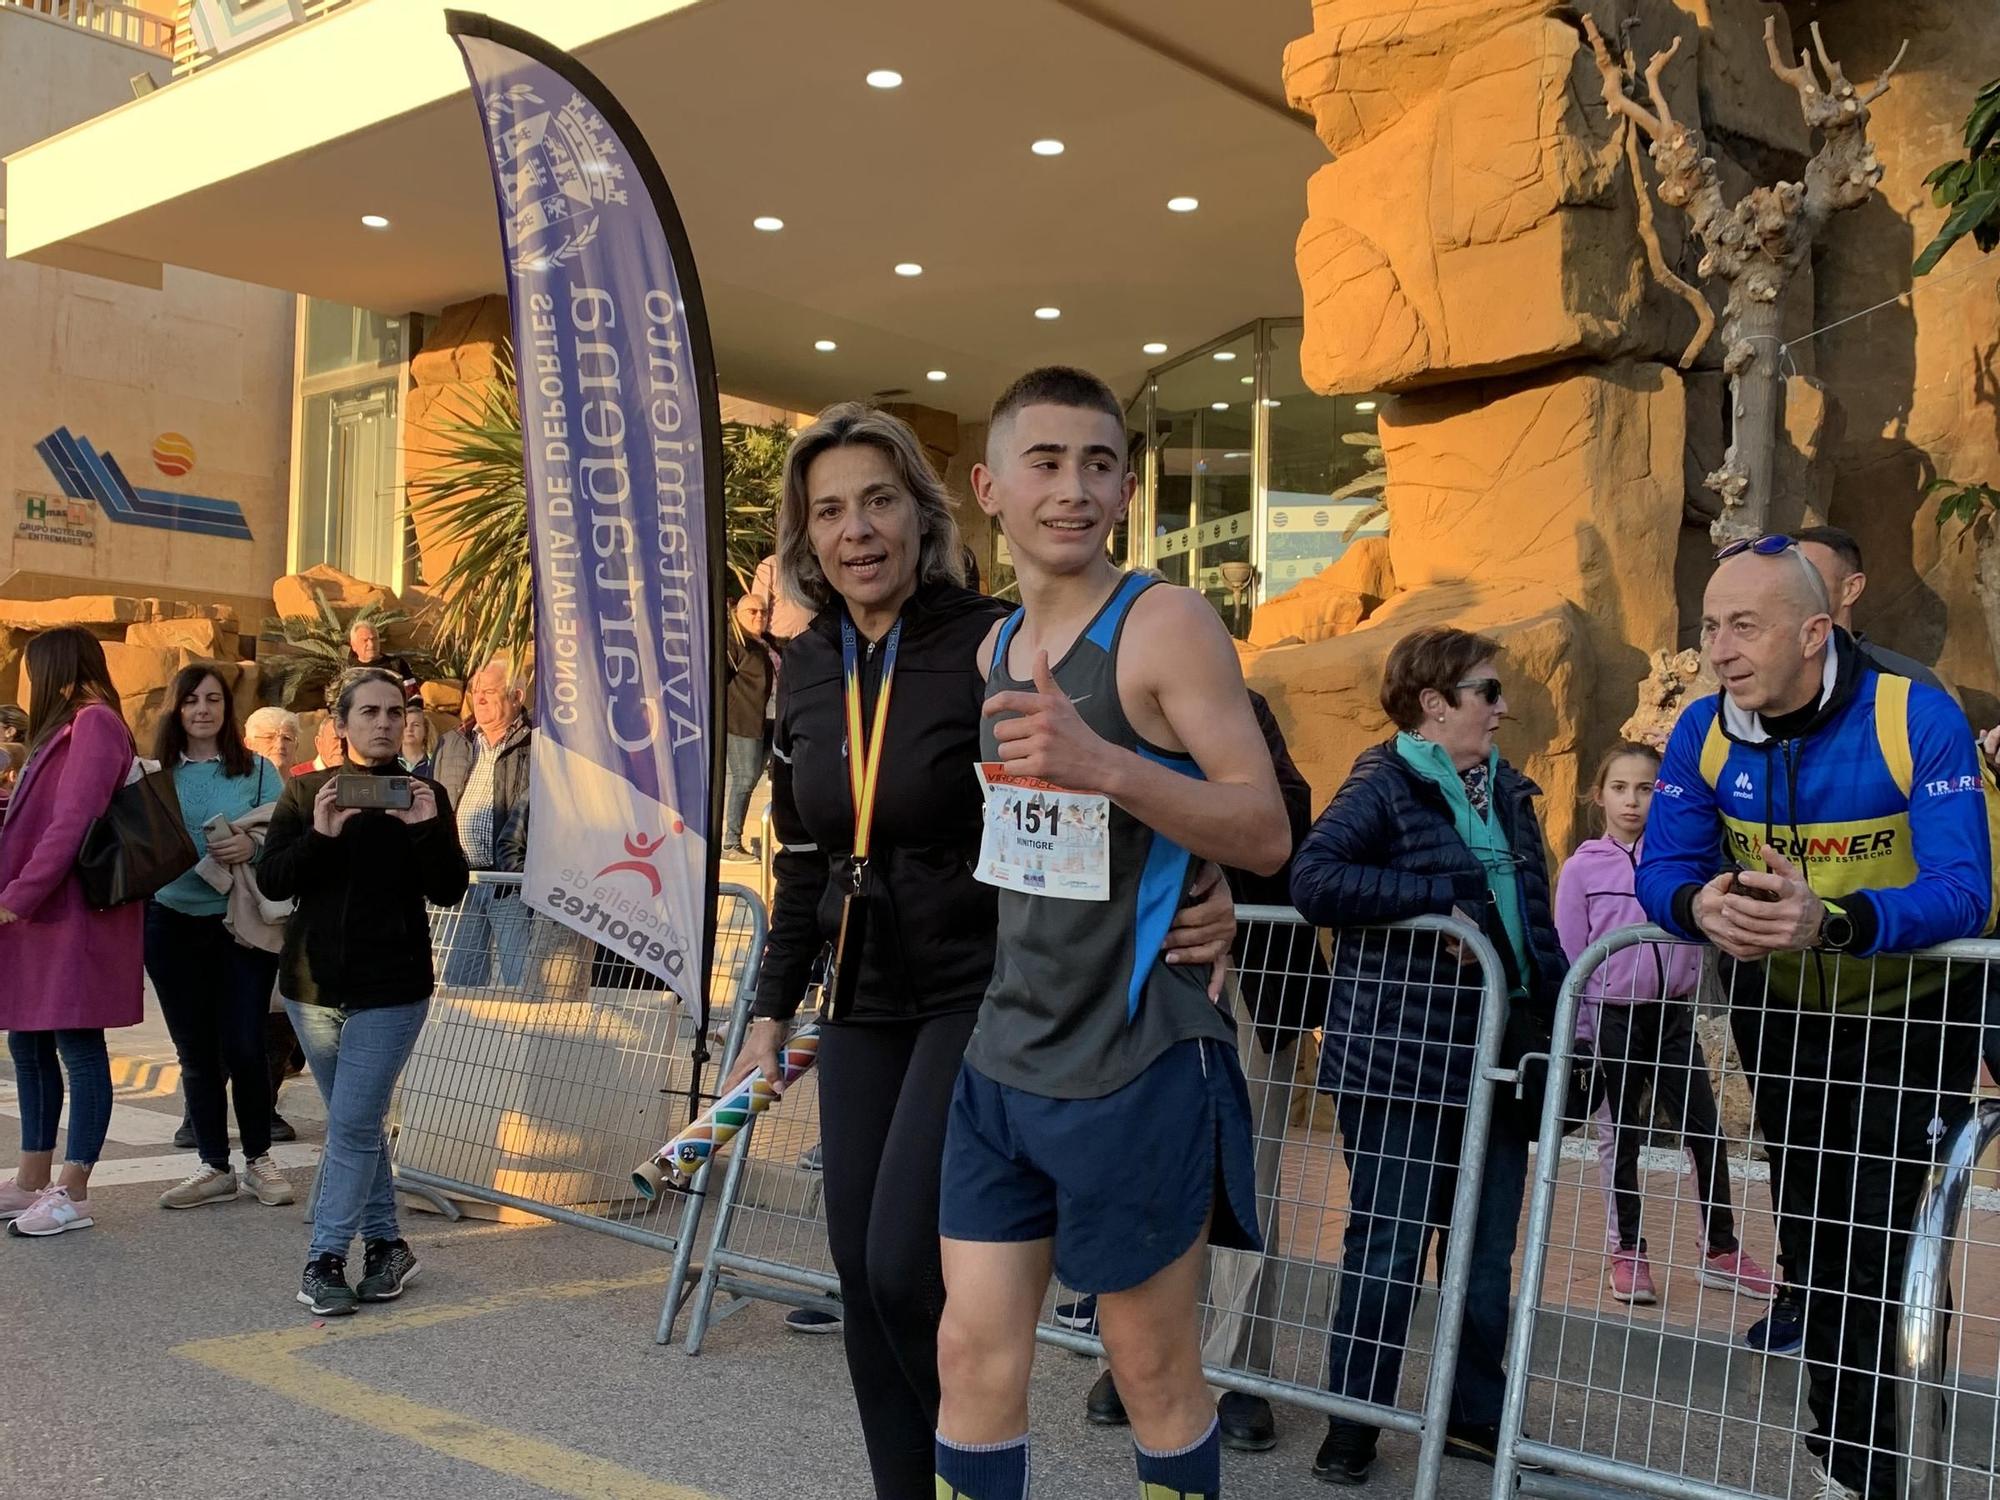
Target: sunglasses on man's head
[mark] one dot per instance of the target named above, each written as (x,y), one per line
(1763,546)
(1487,688)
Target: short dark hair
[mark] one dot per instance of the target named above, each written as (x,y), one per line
(1437,656)
(170,741)
(1840,543)
(1058,385)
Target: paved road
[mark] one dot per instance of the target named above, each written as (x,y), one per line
(160,1354)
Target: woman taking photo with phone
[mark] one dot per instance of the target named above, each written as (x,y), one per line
(71,971)
(214,991)
(361,848)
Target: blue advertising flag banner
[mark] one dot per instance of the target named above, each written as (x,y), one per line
(621,427)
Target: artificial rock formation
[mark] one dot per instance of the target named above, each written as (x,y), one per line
(1481,249)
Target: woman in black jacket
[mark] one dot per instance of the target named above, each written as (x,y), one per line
(865,534)
(356,972)
(1431,823)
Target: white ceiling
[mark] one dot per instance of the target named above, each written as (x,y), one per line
(759,107)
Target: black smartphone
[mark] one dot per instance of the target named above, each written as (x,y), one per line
(1738,888)
(380,793)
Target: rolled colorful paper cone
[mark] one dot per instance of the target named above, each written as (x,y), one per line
(724,1120)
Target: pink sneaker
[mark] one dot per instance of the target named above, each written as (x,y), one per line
(1733,1270)
(54,1212)
(16,1200)
(1632,1278)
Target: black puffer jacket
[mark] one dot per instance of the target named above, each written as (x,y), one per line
(930,924)
(1402,1022)
(360,937)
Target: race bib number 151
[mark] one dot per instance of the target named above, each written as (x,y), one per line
(1042,839)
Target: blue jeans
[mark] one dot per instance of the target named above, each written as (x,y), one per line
(355,1056)
(1402,1165)
(491,920)
(744,764)
(38,1077)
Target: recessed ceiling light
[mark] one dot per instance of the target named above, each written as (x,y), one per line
(1272,401)
(825,346)
(374,221)
(1047,148)
(885,78)
(1184,205)
(1047,314)
(1249,379)
(1364,406)
(1225,355)
(1153,348)
(908,268)
(1237,453)
(1218,406)
(768,223)
(934,374)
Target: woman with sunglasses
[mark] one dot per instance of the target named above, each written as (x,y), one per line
(1431,823)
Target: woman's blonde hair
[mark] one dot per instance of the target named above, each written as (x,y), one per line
(939,552)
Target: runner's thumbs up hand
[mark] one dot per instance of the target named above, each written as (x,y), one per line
(1046,737)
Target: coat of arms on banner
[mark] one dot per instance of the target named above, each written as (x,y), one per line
(558,168)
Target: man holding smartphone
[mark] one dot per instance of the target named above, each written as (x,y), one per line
(1814,814)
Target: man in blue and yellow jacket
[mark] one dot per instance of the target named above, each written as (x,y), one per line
(1813,815)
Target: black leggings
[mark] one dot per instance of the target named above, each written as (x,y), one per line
(215,994)
(884,1098)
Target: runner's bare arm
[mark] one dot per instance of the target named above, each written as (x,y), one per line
(1182,688)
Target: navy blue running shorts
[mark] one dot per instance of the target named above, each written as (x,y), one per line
(1121,1183)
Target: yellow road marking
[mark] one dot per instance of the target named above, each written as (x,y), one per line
(271,1359)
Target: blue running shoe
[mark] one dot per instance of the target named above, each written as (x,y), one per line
(1783,1329)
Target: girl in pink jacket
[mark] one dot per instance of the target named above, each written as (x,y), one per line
(71,970)
(1638,1009)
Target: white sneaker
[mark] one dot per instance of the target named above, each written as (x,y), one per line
(209,1185)
(1831,1488)
(262,1177)
(53,1212)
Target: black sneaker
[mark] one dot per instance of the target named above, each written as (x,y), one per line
(1782,1330)
(1480,1445)
(1246,1422)
(1347,1453)
(1080,1314)
(281,1129)
(1104,1407)
(811,1320)
(184,1137)
(387,1267)
(324,1289)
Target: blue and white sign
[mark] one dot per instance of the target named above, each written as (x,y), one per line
(621,425)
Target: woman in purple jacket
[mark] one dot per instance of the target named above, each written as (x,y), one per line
(72,971)
(1638,1008)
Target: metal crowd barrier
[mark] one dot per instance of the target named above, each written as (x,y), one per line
(1266,1319)
(1839,1150)
(549,1065)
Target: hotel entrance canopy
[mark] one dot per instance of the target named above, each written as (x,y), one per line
(261,166)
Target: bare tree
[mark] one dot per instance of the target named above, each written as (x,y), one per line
(1755,245)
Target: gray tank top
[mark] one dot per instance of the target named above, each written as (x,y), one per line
(1082,998)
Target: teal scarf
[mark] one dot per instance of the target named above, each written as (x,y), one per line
(1482,835)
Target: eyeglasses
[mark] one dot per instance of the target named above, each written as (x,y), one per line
(1487,688)
(1763,546)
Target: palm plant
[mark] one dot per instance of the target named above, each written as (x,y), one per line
(476,502)
(318,651)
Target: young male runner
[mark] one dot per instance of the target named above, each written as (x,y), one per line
(1100,1123)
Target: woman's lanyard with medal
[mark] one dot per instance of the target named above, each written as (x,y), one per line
(864,777)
